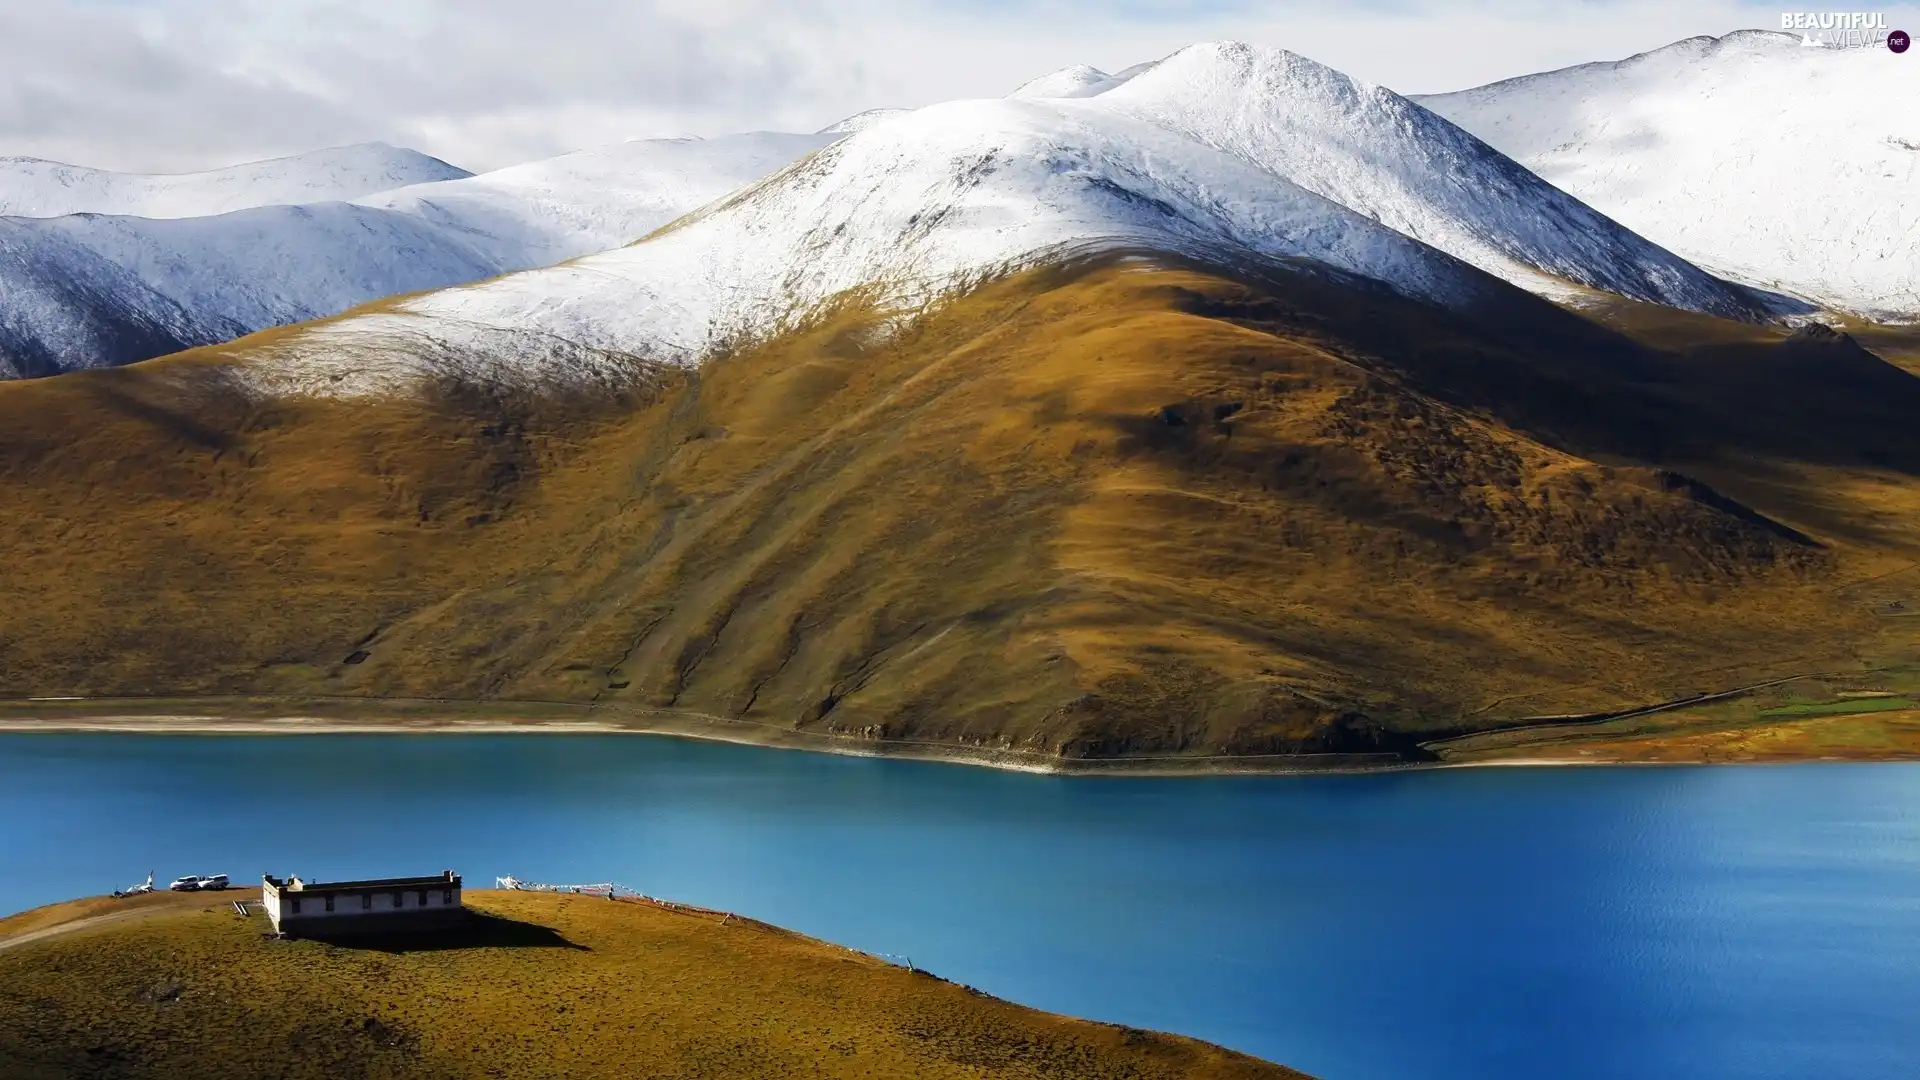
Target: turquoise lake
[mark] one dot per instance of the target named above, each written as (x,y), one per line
(1735,922)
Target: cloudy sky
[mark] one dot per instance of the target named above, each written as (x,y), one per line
(163,85)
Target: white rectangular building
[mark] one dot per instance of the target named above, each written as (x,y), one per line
(376,907)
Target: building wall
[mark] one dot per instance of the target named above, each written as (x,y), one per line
(380,910)
(313,902)
(410,921)
(270,899)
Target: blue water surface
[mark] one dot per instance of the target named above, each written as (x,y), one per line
(1733,922)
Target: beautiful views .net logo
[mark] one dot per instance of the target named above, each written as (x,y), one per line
(1845,30)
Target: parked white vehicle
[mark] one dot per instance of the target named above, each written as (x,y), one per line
(185,884)
(214,882)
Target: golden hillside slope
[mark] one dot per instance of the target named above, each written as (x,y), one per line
(541,986)
(1095,510)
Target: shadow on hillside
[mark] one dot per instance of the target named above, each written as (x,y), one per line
(478,931)
(172,418)
(1693,389)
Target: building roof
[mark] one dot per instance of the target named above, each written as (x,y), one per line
(444,879)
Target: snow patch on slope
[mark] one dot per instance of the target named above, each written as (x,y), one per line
(1785,167)
(30,187)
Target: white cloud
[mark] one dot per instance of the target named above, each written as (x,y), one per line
(176,84)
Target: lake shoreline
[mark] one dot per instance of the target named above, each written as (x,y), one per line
(770,738)
(784,739)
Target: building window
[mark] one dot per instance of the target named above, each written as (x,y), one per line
(366,901)
(446,896)
(423,899)
(329,903)
(399,900)
(296,905)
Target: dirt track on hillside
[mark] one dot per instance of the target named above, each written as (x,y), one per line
(47,922)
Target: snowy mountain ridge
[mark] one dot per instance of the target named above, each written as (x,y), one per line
(1217,149)
(1781,166)
(177,283)
(1077,81)
(1370,149)
(1220,147)
(548,211)
(911,206)
(30,187)
(860,121)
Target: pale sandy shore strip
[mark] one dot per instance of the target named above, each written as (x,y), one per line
(776,738)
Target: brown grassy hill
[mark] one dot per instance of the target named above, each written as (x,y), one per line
(541,986)
(1092,510)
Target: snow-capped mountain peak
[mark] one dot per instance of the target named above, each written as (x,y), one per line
(1370,149)
(1784,167)
(905,209)
(1223,148)
(1077,81)
(1219,149)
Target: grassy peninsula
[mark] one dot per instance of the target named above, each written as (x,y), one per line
(177,985)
